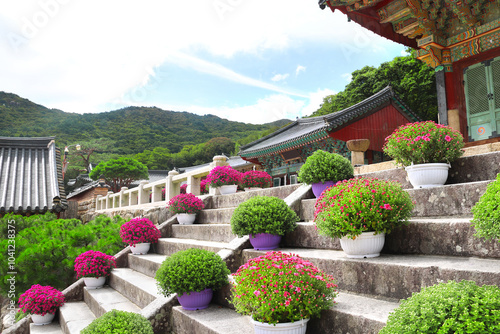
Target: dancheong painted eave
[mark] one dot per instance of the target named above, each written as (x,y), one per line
(306,130)
(30,176)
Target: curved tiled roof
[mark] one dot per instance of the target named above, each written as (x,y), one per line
(307,130)
(30,175)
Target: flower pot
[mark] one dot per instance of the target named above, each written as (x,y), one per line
(228,189)
(297,327)
(319,187)
(365,245)
(141,248)
(265,241)
(252,188)
(428,175)
(195,300)
(94,283)
(42,319)
(186,218)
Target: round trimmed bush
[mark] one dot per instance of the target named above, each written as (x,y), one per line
(263,214)
(191,270)
(323,166)
(119,322)
(487,212)
(448,308)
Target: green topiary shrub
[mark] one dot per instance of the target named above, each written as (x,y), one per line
(119,322)
(263,214)
(45,251)
(323,166)
(487,212)
(448,308)
(191,270)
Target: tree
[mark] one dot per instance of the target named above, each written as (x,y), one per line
(217,146)
(90,147)
(411,79)
(120,172)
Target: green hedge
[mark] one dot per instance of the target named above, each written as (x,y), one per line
(46,248)
(119,322)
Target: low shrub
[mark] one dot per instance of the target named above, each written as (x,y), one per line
(487,212)
(191,270)
(119,322)
(263,214)
(45,251)
(446,308)
(323,166)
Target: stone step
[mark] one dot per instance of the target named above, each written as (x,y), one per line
(137,287)
(215,216)
(395,276)
(430,236)
(53,328)
(450,200)
(208,232)
(169,246)
(147,264)
(106,299)
(212,320)
(75,316)
(228,201)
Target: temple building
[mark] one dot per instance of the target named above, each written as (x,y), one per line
(283,152)
(460,39)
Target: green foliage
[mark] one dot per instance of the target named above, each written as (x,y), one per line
(45,251)
(263,214)
(19,223)
(323,166)
(411,79)
(362,205)
(487,212)
(120,172)
(191,270)
(20,315)
(448,308)
(424,142)
(119,322)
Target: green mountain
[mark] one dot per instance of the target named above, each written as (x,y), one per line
(131,129)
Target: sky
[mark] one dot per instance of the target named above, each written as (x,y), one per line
(252,61)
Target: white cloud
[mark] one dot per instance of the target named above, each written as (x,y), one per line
(279,77)
(315,100)
(299,69)
(347,77)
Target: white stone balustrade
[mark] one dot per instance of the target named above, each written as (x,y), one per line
(140,196)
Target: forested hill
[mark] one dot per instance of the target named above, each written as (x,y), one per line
(131,129)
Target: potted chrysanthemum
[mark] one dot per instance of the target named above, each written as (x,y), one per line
(94,267)
(323,169)
(139,233)
(42,302)
(255,180)
(186,206)
(360,212)
(426,150)
(193,274)
(265,219)
(294,291)
(225,178)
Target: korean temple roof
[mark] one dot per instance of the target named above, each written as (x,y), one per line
(30,176)
(307,130)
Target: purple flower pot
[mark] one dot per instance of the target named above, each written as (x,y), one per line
(195,300)
(265,241)
(319,187)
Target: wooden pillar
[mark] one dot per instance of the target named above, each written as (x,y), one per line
(441,96)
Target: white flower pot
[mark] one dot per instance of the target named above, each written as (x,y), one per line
(186,218)
(42,319)
(364,246)
(297,327)
(141,248)
(228,189)
(94,283)
(428,175)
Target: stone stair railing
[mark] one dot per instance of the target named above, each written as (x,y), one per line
(140,196)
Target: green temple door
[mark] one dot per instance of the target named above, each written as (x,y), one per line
(482,96)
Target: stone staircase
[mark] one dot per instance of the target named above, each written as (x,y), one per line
(438,245)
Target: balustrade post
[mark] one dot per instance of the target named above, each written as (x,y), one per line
(98,204)
(143,194)
(218,160)
(171,189)
(156,196)
(358,148)
(121,201)
(193,185)
(107,199)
